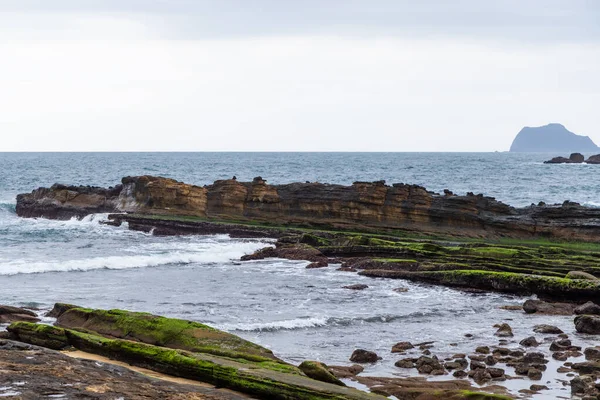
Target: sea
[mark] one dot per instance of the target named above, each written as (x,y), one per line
(299,313)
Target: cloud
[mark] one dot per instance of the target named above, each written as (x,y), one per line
(532,20)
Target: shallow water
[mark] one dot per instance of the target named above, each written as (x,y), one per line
(299,313)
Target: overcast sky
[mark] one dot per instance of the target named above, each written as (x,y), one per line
(278,75)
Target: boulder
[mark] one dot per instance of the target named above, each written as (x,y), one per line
(529,342)
(587,367)
(592,353)
(588,308)
(429,365)
(581,275)
(402,346)
(547,329)
(317,264)
(59,309)
(10,314)
(364,356)
(406,363)
(542,307)
(595,159)
(319,372)
(504,330)
(587,324)
(574,158)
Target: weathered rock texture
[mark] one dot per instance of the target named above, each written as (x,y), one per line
(363,205)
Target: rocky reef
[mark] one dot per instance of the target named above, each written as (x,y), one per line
(362,206)
(177,348)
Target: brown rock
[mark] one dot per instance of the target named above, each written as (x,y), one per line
(358,286)
(364,356)
(588,308)
(587,324)
(317,264)
(543,307)
(401,347)
(504,330)
(547,329)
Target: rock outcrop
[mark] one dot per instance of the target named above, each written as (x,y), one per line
(551,138)
(575,158)
(364,206)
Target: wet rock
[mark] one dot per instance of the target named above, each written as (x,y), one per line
(511,308)
(537,388)
(534,357)
(453,365)
(496,373)
(592,353)
(400,290)
(502,351)
(59,309)
(547,329)
(364,356)
(477,357)
(587,367)
(563,370)
(595,159)
(542,307)
(587,324)
(319,372)
(317,264)
(402,346)
(477,365)
(343,372)
(459,374)
(480,376)
(358,286)
(483,350)
(560,356)
(504,330)
(346,269)
(529,342)
(490,360)
(516,353)
(406,363)
(581,275)
(581,384)
(588,308)
(426,365)
(534,374)
(9,314)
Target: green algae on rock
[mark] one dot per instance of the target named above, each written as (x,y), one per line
(265,380)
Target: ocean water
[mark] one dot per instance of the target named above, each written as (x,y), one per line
(299,313)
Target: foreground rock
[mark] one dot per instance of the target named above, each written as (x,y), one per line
(181,348)
(361,206)
(587,324)
(32,372)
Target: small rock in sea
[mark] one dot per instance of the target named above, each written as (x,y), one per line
(468,335)
(529,342)
(364,356)
(482,350)
(490,360)
(592,353)
(358,286)
(588,308)
(548,329)
(587,324)
(317,264)
(405,363)
(516,353)
(496,372)
(477,365)
(347,269)
(427,365)
(426,352)
(537,388)
(511,308)
(563,370)
(402,346)
(534,374)
(543,307)
(534,358)
(504,330)
(480,376)
(400,290)
(459,374)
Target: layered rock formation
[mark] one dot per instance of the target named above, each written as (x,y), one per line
(366,206)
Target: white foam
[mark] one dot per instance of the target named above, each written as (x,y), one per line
(290,324)
(204,253)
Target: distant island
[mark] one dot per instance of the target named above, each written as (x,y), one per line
(551,138)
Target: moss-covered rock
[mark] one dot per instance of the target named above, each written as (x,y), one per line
(40,335)
(264,380)
(166,332)
(319,371)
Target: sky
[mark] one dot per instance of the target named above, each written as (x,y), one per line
(311,75)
